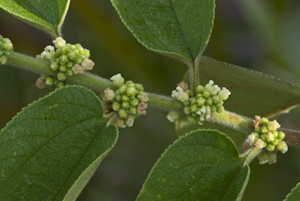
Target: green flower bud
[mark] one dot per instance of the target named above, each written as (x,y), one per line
(282,146)
(269,137)
(49,81)
(193,100)
(263,137)
(199,96)
(120,123)
(3,60)
(257,129)
(209,101)
(194,108)
(119,98)
(123,89)
(270,147)
(134,102)
(122,113)
(116,106)
(213,108)
(63,59)
(131,91)
(206,94)
(200,89)
(275,133)
(263,158)
(220,109)
(72,55)
(215,99)
(187,110)
(62,68)
(61,76)
(8,46)
(132,110)
(60,84)
(43,76)
(58,53)
(189,92)
(69,64)
(54,66)
(125,98)
(275,142)
(265,121)
(139,87)
(86,53)
(78,60)
(118,80)
(263,129)
(281,135)
(186,103)
(201,101)
(65,49)
(69,72)
(125,105)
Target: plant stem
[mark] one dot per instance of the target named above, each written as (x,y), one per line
(99,84)
(194,76)
(233,120)
(250,154)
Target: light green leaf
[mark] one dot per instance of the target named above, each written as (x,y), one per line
(42,14)
(202,165)
(53,144)
(294,195)
(180,29)
(252,93)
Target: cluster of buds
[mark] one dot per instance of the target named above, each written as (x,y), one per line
(266,136)
(207,100)
(128,101)
(6,47)
(66,60)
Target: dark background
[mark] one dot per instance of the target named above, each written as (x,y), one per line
(259,34)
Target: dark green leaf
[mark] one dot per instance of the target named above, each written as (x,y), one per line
(202,165)
(53,143)
(180,29)
(42,14)
(294,195)
(252,92)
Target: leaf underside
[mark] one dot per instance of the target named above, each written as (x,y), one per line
(42,14)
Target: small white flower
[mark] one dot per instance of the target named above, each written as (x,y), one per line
(118,80)
(250,139)
(172,116)
(59,42)
(179,94)
(87,64)
(224,93)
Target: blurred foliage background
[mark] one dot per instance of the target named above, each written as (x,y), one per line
(259,34)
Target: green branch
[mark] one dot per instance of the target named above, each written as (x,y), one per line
(99,84)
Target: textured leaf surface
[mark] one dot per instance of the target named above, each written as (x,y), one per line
(202,165)
(294,195)
(52,143)
(252,92)
(180,29)
(42,14)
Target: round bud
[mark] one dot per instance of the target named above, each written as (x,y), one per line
(194,108)
(123,89)
(281,135)
(133,110)
(200,89)
(187,110)
(69,64)
(125,105)
(62,68)
(220,109)
(282,146)
(72,55)
(49,81)
(139,87)
(63,59)
(206,94)
(3,60)
(209,101)
(265,121)
(116,106)
(270,147)
(69,72)
(125,98)
(54,66)
(60,84)
(193,100)
(122,113)
(61,76)
(86,53)
(131,91)
(213,108)
(134,102)
(192,120)
(263,129)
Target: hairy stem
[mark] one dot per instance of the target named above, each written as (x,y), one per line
(250,154)
(99,84)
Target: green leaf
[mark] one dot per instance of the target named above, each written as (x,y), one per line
(54,144)
(294,195)
(252,93)
(180,29)
(203,164)
(42,14)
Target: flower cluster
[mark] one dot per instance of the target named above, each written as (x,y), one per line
(129,101)
(6,47)
(266,136)
(66,60)
(207,100)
